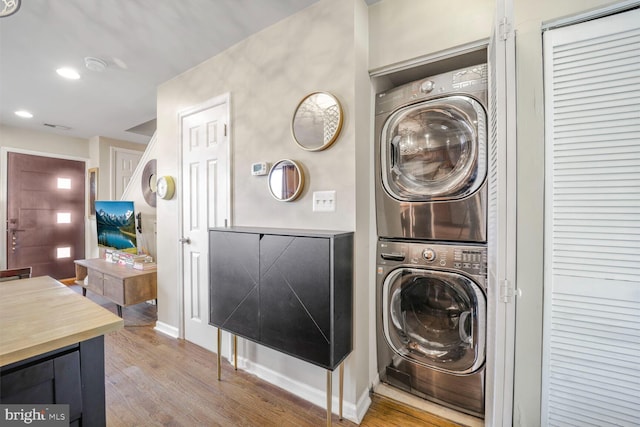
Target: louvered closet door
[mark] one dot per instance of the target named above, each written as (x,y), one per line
(591,372)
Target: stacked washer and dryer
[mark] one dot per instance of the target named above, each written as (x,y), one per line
(431,205)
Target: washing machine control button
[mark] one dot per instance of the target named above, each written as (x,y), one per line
(429,254)
(427,86)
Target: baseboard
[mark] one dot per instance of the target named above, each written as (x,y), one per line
(363,405)
(167,329)
(316,396)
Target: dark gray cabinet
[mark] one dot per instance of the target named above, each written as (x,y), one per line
(72,375)
(291,290)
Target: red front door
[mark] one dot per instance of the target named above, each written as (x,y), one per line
(45,214)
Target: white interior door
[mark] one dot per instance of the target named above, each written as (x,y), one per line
(124,164)
(206,203)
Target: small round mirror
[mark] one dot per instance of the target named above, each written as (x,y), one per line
(317,121)
(286,180)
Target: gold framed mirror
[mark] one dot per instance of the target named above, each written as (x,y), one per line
(317,121)
(286,180)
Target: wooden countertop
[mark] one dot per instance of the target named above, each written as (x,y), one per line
(40,314)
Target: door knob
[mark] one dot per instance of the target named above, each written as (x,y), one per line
(185,240)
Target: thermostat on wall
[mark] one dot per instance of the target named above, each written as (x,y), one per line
(260,168)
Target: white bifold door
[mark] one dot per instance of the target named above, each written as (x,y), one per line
(591,357)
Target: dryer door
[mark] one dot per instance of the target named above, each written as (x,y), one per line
(434,150)
(435,318)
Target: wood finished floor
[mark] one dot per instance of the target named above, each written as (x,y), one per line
(155,380)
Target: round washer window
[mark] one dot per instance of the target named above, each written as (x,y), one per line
(435,318)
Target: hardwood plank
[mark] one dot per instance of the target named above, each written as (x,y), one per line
(155,380)
(385,412)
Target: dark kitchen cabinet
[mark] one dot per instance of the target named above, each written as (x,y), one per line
(290,290)
(72,375)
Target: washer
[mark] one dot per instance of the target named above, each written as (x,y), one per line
(431,311)
(431,158)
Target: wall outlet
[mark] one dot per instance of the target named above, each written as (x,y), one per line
(324,201)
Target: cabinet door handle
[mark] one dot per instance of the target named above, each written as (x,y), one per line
(185,240)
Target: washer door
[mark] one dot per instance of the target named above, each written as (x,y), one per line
(435,150)
(435,318)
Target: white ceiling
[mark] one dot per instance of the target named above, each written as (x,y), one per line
(144,43)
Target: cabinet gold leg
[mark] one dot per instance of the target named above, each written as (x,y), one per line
(219,359)
(329,391)
(341,388)
(235,352)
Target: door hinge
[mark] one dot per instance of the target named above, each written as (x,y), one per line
(225,129)
(508,292)
(504,28)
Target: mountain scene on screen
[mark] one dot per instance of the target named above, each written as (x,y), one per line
(116,225)
(123,221)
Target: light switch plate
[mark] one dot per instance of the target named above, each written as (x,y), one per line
(324,201)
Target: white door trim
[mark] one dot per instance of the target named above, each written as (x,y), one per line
(218,100)
(590,15)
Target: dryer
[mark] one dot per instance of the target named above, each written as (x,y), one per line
(431,158)
(431,321)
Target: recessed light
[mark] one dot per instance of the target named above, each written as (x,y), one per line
(68,73)
(24,114)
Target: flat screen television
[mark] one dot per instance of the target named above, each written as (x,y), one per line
(116,225)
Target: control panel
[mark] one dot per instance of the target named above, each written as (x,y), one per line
(471,80)
(469,259)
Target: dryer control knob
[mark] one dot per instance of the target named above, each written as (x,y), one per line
(429,254)
(427,86)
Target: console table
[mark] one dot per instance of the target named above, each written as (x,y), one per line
(290,290)
(118,283)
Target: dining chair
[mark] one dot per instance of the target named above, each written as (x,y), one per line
(15,273)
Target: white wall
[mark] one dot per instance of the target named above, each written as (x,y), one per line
(43,142)
(401,30)
(267,75)
(530,134)
(364,308)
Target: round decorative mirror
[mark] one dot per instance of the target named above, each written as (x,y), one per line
(317,121)
(286,180)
